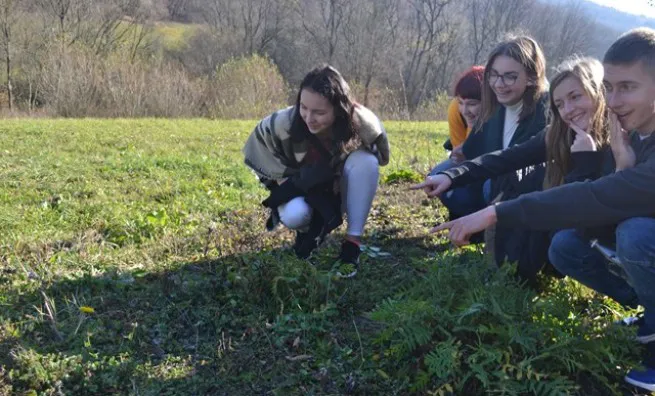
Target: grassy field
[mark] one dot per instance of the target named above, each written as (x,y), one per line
(134,261)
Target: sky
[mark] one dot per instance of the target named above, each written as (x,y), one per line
(639,7)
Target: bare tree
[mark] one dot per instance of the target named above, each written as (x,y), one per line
(482,27)
(256,24)
(430,33)
(177,9)
(490,20)
(117,22)
(370,39)
(8,18)
(563,30)
(69,17)
(323,21)
(404,50)
(101,26)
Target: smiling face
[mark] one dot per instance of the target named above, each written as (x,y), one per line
(470,109)
(573,103)
(508,80)
(316,111)
(631,96)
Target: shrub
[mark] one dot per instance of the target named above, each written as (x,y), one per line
(469,330)
(249,87)
(386,102)
(77,83)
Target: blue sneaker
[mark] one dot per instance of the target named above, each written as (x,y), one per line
(645,334)
(644,379)
(630,321)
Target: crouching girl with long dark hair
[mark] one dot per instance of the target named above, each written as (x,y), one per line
(320,158)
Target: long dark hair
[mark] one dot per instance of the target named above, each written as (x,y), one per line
(326,81)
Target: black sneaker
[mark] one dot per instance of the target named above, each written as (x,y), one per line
(298,243)
(349,258)
(306,242)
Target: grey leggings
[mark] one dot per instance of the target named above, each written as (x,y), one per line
(359,182)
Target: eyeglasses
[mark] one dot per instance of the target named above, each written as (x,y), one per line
(507,78)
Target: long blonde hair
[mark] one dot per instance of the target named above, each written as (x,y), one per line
(559,137)
(527,52)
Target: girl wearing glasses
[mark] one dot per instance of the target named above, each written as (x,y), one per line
(514,98)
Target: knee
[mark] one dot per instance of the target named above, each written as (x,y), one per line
(562,248)
(635,240)
(295,214)
(442,166)
(450,197)
(362,161)
(462,201)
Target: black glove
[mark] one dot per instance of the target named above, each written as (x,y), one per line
(283,193)
(448,145)
(312,175)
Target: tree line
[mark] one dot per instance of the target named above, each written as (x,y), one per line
(111,58)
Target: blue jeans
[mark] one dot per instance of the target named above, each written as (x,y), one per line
(465,200)
(635,247)
(442,166)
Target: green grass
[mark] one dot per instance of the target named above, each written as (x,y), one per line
(155,227)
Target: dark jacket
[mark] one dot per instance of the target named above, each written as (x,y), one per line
(584,165)
(490,138)
(529,249)
(604,201)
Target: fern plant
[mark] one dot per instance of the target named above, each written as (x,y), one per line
(466,329)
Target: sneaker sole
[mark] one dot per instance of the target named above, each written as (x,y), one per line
(646,339)
(347,276)
(642,385)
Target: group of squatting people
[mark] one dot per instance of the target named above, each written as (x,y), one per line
(544,167)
